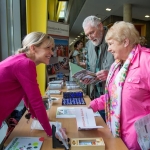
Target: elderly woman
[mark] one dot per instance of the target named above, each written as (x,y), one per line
(127,95)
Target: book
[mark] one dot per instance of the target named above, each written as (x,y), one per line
(85,119)
(86,74)
(142,127)
(25,143)
(69,112)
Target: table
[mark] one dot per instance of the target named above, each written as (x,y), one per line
(23,129)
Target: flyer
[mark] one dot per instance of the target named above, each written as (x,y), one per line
(142,127)
(69,112)
(25,143)
(86,74)
(85,119)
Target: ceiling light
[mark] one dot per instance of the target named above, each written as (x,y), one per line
(78,36)
(147,16)
(108,9)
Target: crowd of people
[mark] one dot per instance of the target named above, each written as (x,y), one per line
(116,55)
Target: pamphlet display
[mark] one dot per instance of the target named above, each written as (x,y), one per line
(28,143)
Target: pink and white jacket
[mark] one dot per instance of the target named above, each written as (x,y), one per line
(135,96)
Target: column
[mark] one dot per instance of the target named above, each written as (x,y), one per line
(127,12)
(37,21)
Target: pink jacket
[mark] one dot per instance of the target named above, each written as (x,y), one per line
(135,96)
(18,79)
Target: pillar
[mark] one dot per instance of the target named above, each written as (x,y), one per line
(127,12)
(36,15)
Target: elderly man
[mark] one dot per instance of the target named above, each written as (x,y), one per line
(99,59)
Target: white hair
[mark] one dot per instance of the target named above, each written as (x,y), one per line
(92,20)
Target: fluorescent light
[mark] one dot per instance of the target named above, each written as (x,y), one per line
(147,16)
(108,9)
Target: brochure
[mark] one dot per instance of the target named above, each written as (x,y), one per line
(86,74)
(69,112)
(85,119)
(36,125)
(142,127)
(25,143)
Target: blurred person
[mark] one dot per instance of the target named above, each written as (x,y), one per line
(77,54)
(127,94)
(18,78)
(143,42)
(98,58)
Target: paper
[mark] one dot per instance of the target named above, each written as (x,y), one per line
(25,143)
(86,74)
(69,112)
(142,127)
(53,92)
(85,118)
(36,125)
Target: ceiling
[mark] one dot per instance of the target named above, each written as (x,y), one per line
(140,8)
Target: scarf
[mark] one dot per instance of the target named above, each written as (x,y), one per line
(113,99)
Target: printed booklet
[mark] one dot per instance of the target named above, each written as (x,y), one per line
(142,127)
(69,112)
(85,119)
(25,143)
(86,74)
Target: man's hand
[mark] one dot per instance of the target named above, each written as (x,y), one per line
(102,75)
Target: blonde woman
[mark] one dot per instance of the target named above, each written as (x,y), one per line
(18,78)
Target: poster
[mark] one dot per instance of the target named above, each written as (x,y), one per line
(58,68)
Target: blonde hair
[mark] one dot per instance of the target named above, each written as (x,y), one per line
(123,30)
(34,38)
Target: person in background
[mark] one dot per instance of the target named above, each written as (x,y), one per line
(18,78)
(127,95)
(143,42)
(77,54)
(98,58)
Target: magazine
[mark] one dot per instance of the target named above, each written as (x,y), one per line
(86,74)
(25,143)
(142,127)
(69,112)
(85,119)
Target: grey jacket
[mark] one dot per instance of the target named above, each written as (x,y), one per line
(103,62)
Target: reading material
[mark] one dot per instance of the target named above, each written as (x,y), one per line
(142,127)
(36,125)
(69,112)
(25,143)
(85,118)
(86,74)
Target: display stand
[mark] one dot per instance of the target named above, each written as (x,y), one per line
(56,142)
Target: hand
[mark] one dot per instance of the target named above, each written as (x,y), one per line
(102,75)
(89,106)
